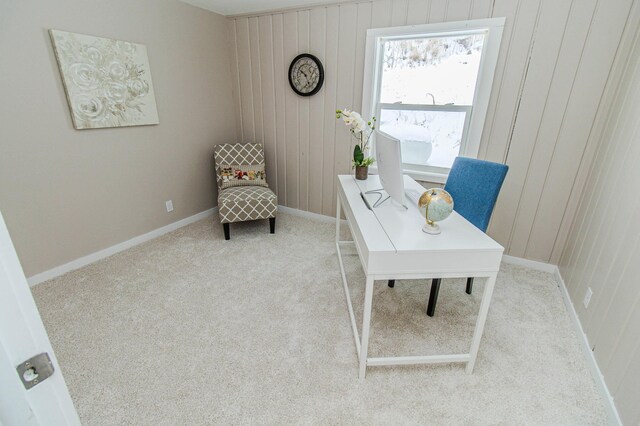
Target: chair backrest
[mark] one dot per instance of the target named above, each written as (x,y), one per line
(474,186)
(238,154)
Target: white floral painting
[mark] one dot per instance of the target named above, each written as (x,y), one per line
(107,82)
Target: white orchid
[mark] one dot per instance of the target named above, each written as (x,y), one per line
(359,125)
(349,116)
(362,131)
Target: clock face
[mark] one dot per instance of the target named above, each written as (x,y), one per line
(306,75)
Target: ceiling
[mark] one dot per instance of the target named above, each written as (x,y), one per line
(239,7)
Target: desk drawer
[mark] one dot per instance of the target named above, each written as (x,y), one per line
(449,264)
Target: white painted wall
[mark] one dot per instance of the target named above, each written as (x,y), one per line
(66,193)
(552,72)
(603,247)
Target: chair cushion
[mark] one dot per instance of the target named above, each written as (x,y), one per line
(236,175)
(240,203)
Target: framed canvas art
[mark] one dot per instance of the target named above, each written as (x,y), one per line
(107,82)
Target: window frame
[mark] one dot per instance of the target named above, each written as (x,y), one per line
(476,113)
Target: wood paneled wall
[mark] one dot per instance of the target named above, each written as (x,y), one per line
(603,248)
(552,72)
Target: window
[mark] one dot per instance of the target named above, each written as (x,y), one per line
(429,86)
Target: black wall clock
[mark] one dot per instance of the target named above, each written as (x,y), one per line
(306,74)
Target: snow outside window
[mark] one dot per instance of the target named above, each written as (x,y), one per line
(429,87)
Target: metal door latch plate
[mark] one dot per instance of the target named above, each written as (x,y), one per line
(35,370)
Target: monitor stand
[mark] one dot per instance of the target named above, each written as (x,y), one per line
(381,200)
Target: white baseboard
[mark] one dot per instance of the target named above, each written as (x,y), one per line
(612,412)
(90,258)
(531,264)
(601,386)
(93,257)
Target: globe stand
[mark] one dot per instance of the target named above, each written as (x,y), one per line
(431,228)
(442,209)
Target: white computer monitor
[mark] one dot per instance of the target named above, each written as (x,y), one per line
(389,162)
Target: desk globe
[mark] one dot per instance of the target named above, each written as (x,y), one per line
(436,204)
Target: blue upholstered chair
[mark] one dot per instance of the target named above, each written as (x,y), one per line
(474,186)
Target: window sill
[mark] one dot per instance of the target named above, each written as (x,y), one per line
(439,178)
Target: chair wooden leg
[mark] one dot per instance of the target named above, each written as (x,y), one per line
(225,226)
(272,224)
(392,283)
(433,296)
(469,285)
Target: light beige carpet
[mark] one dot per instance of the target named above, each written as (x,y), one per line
(190,329)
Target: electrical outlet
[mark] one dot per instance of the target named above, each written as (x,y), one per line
(169,206)
(587,297)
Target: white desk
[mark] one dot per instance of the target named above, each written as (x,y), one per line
(391,245)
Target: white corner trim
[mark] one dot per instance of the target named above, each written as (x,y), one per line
(101,254)
(531,264)
(612,412)
(307,215)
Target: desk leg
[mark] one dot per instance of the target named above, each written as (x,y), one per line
(482,317)
(366,322)
(338,220)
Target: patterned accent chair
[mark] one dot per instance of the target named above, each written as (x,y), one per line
(242,203)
